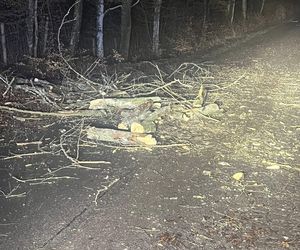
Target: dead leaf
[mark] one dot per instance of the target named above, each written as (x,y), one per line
(239,176)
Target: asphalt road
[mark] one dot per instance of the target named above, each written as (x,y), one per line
(164,199)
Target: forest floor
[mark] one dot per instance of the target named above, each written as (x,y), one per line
(225,182)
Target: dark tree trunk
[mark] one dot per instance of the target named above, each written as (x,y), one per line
(244,9)
(45,37)
(36,29)
(3,44)
(156,22)
(125,28)
(205,16)
(74,41)
(30,26)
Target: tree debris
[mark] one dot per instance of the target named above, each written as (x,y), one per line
(119,136)
(124,103)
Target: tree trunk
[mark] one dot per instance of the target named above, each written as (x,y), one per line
(205,16)
(244,9)
(262,6)
(232,10)
(3,44)
(125,28)
(30,26)
(74,41)
(99,32)
(45,37)
(156,22)
(36,29)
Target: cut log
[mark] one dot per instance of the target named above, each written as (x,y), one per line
(119,136)
(136,127)
(124,103)
(157,114)
(138,114)
(150,122)
(144,116)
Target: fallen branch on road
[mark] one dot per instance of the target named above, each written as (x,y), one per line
(104,189)
(82,113)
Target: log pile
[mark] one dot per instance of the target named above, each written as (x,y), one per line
(138,117)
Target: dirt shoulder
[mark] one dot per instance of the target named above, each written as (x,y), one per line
(186,197)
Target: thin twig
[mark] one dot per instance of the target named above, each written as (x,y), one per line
(55,114)
(11,195)
(104,189)
(229,85)
(25,155)
(75,160)
(42,180)
(9,84)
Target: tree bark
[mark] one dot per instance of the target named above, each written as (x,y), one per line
(45,37)
(244,9)
(36,29)
(3,44)
(30,26)
(74,41)
(156,22)
(205,16)
(232,10)
(125,28)
(99,32)
(262,6)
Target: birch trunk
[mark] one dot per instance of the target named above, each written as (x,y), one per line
(232,10)
(262,6)
(125,28)
(74,41)
(156,22)
(99,32)
(3,44)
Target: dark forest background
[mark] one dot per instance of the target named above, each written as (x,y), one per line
(30,28)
